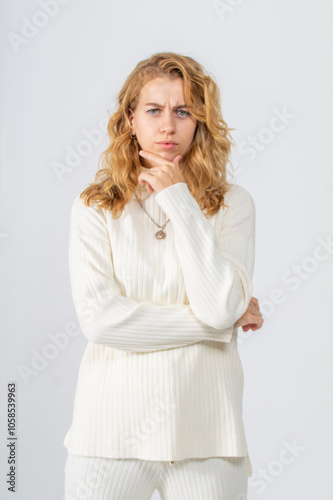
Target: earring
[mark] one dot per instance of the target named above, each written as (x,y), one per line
(132,136)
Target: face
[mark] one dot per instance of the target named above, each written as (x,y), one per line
(167,118)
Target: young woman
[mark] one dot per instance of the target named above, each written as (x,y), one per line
(161,257)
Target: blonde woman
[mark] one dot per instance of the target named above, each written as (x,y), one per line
(161,257)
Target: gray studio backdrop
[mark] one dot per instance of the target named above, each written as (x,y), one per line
(63,63)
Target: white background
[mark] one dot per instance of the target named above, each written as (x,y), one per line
(58,82)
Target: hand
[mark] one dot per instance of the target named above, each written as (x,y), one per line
(164,174)
(252,318)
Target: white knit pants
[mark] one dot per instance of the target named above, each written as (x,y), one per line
(96,478)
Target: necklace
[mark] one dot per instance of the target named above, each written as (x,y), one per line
(160,235)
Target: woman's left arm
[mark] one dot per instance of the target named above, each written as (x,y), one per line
(217,270)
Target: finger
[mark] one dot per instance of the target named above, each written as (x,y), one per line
(250,326)
(157,159)
(253,319)
(255,302)
(145,183)
(254,309)
(177,159)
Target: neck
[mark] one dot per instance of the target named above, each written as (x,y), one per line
(144,169)
(142,186)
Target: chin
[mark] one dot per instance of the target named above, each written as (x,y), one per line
(168,152)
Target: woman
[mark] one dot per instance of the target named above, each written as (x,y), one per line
(161,258)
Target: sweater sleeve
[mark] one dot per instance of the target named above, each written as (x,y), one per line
(106,316)
(217,270)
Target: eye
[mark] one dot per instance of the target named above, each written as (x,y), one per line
(186,113)
(183,111)
(154,109)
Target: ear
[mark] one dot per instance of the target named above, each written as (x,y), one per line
(130,116)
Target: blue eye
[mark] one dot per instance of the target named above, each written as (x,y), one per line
(157,109)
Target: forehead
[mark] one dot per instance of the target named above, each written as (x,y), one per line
(163,86)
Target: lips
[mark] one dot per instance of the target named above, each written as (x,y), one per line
(167,142)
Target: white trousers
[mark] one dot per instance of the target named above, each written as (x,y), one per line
(96,478)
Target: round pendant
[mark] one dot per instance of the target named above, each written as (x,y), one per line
(160,235)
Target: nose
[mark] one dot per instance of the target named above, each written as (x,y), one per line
(167,123)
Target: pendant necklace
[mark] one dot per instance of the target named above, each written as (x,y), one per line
(161,234)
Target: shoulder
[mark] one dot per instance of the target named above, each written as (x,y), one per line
(79,207)
(88,219)
(239,197)
(240,203)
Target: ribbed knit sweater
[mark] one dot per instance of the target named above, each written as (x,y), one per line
(161,377)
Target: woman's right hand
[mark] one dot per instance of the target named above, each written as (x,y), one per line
(252,318)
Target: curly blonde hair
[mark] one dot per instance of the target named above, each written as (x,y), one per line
(204,164)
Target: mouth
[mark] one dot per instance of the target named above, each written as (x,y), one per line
(167,144)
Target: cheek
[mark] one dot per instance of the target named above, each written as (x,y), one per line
(188,126)
(190,130)
(147,125)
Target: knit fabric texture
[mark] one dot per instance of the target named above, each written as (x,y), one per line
(161,377)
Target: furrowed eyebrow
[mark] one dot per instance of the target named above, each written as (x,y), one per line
(160,105)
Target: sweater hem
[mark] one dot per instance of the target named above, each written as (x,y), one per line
(148,457)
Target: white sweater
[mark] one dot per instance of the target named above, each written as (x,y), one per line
(161,377)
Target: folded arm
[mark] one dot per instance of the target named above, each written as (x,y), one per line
(217,270)
(104,314)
